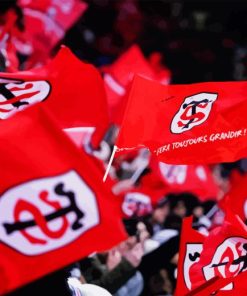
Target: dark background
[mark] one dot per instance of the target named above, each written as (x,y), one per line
(199,40)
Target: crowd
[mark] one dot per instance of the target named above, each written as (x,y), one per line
(194,41)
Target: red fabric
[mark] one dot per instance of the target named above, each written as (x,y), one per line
(64,12)
(34,150)
(162,73)
(41,31)
(237,196)
(119,75)
(139,201)
(186,124)
(46,23)
(190,245)
(224,255)
(8,31)
(71,89)
(196,179)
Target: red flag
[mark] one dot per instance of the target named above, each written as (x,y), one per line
(71,89)
(191,245)
(186,124)
(46,23)
(196,179)
(224,255)
(119,75)
(139,201)
(162,73)
(236,198)
(213,286)
(41,31)
(64,12)
(8,31)
(54,208)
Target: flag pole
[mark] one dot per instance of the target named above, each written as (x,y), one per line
(110,163)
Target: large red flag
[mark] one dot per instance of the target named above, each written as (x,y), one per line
(71,89)
(54,208)
(224,255)
(187,124)
(191,245)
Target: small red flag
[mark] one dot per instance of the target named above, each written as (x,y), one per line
(140,201)
(224,255)
(8,32)
(64,13)
(196,179)
(119,75)
(186,124)
(46,22)
(54,208)
(191,245)
(236,198)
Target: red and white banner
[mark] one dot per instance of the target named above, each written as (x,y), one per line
(54,208)
(186,124)
(72,90)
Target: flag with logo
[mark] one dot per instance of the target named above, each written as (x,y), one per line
(186,124)
(215,286)
(72,90)
(140,201)
(224,255)
(191,245)
(54,208)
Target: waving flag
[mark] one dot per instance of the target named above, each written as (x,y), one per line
(64,12)
(186,124)
(119,75)
(139,201)
(191,245)
(71,89)
(236,198)
(224,255)
(9,31)
(213,263)
(46,22)
(196,179)
(54,208)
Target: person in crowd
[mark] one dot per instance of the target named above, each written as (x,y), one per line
(115,270)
